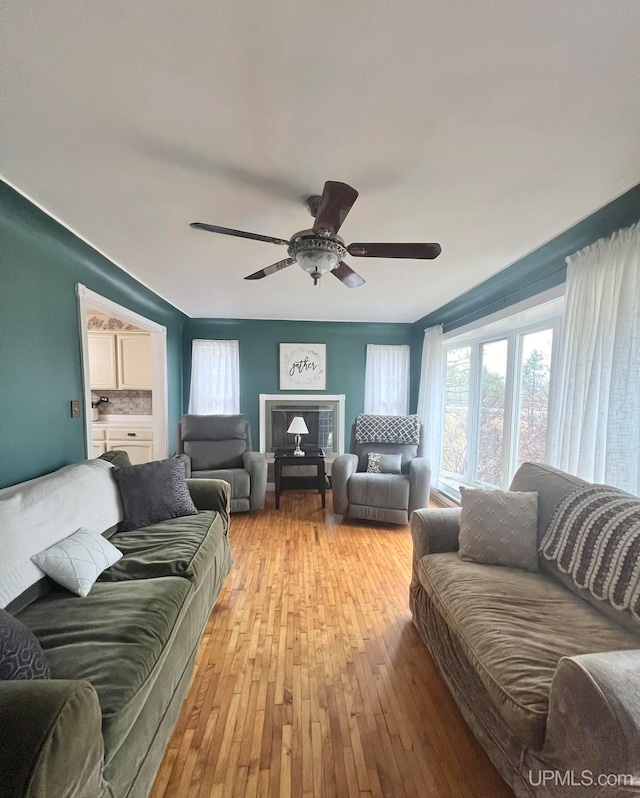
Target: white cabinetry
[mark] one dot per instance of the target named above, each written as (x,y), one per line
(134,361)
(136,442)
(102,361)
(120,361)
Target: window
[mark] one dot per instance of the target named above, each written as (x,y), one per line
(215,377)
(386,382)
(496,405)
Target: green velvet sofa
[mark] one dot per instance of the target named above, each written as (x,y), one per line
(121,660)
(546,676)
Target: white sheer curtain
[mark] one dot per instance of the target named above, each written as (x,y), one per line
(215,378)
(596,431)
(431,397)
(386,381)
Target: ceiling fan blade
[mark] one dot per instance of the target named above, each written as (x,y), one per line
(347,276)
(336,202)
(275,267)
(421,251)
(228,231)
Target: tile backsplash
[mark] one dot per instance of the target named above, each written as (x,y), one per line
(124,403)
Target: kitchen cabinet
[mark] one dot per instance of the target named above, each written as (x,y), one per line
(134,361)
(120,361)
(102,361)
(136,442)
(139,451)
(99,447)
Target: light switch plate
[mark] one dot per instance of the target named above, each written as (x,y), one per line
(75,408)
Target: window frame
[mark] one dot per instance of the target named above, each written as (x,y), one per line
(513,386)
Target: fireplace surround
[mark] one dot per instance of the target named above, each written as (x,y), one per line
(324,415)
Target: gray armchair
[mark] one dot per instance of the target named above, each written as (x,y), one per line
(219,447)
(380,497)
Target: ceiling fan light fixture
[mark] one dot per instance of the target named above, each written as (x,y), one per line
(316,256)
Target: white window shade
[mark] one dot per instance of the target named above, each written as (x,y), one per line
(215,378)
(386,384)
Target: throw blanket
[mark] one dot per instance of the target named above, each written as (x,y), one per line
(594,536)
(37,514)
(388,429)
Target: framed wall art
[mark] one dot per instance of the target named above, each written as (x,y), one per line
(303,367)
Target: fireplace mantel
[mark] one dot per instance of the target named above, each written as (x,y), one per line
(301,398)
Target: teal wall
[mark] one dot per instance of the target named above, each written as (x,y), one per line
(540,270)
(258,341)
(40,361)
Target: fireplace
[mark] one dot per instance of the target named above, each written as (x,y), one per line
(323,415)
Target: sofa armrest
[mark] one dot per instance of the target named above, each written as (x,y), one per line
(211,494)
(419,483)
(51,740)
(433,531)
(341,469)
(256,464)
(594,717)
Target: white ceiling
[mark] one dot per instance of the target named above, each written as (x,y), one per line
(487,126)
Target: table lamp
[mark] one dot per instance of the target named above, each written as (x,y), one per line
(298,428)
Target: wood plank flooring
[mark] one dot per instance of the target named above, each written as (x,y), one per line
(311,679)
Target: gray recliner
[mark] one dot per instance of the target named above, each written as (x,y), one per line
(380,497)
(219,447)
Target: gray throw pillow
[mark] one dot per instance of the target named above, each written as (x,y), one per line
(384,463)
(499,527)
(21,655)
(153,492)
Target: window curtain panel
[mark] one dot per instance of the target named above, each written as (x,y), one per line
(386,382)
(431,397)
(596,426)
(215,378)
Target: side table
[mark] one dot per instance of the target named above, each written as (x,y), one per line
(286,457)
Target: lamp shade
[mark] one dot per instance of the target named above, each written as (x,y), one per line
(298,427)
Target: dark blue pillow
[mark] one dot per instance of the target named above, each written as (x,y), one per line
(21,655)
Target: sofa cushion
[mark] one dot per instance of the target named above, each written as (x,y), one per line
(207,455)
(514,626)
(237,478)
(379,490)
(499,527)
(21,655)
(116,638)
(177,547)
(153,492)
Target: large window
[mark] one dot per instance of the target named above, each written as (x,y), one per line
(496,405)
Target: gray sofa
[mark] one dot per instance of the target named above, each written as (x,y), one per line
(547,677)
(121,658)
(380,497)
(219,447)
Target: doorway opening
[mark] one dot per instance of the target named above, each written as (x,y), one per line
(124,376)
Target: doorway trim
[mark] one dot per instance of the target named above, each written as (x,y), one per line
(88,298)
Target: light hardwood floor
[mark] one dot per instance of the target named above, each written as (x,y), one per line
(311,679)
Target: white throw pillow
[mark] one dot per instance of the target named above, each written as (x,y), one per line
(77,561)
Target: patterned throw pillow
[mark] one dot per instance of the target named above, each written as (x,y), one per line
(384,463)
(594,537)
(499,527)
(153,492)
(21,655)
(77,561)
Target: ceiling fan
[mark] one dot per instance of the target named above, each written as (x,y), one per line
(321,250)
